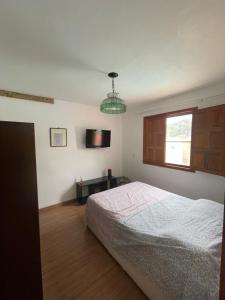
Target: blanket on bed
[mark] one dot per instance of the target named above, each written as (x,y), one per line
(175,240)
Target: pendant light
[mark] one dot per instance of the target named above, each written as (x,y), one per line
(113,104)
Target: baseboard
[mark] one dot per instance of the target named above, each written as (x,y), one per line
(43,209)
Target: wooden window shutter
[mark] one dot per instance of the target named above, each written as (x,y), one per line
(154,140)
(208,148)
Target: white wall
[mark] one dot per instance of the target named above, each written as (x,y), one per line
(58,168)
(194,185)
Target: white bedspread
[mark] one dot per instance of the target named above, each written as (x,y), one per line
(174,240)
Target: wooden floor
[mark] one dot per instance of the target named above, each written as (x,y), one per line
(74,264)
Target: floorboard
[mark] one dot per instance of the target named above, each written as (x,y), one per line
(74,263)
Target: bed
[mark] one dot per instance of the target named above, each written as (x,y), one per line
(168,244)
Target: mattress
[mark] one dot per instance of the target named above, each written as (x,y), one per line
(170,245)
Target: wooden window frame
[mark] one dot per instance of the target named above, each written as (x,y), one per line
(165,116)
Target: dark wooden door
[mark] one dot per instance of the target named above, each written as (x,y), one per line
(20,240)
(222,272)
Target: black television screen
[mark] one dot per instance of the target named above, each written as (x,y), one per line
(97,138)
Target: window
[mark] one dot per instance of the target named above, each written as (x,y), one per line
(191,139)
(167,139)
(178,140)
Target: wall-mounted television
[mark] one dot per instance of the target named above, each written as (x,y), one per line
(98,138)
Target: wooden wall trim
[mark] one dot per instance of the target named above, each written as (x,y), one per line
(23,96)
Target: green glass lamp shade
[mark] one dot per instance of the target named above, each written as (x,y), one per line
(113,104)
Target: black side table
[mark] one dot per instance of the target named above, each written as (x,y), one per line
(89,187)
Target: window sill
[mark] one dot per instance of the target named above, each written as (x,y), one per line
(171,166)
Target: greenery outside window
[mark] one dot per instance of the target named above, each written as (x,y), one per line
(178,140)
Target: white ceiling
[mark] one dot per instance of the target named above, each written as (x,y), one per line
(65,48)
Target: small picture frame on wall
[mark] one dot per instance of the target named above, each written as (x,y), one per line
(58,137)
